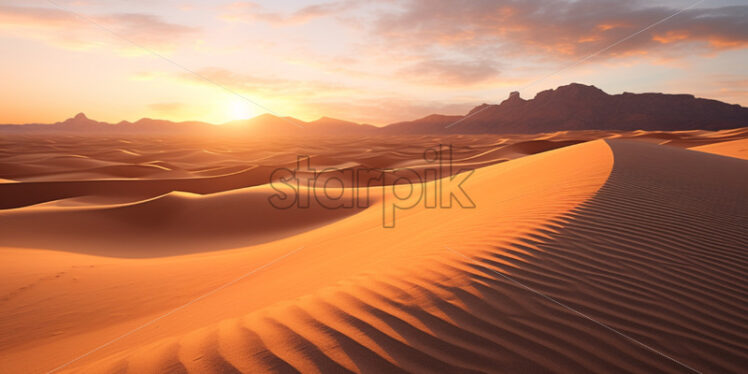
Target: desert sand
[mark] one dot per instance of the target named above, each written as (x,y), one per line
(585,252)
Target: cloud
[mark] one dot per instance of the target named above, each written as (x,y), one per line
(559,29)
(453,43)
(251,11)
(264,86)
(448,72)
(67,29)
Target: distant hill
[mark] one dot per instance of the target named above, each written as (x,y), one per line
(571,107)
(80,122)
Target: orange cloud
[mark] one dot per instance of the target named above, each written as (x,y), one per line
(271,87)
(718,43)
(671,37)
(69,30)
(251,11)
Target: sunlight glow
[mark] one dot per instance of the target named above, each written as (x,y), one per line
(240,109)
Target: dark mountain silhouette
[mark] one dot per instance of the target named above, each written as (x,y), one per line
(571,107)
(581,107)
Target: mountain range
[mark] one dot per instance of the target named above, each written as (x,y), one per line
(571,107)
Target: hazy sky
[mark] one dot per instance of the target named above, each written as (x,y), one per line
(364,61)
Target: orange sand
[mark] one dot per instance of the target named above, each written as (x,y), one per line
(645,238)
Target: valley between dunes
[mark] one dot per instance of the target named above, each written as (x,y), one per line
(585,252)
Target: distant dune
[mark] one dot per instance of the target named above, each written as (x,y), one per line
(571,107)
(586,251)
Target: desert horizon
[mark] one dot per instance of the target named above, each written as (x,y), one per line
(675,112)
(409,186)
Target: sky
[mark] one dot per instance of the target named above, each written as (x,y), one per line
(369,62)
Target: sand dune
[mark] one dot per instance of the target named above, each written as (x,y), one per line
(733,148)
(29,193)
(67,167)
(147,170)
(643,238)
(170,224)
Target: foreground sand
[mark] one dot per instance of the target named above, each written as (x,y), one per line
(646,239)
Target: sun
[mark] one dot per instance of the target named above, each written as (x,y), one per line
(240,109)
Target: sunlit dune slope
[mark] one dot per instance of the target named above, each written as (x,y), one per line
(638,250)
(734,148)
